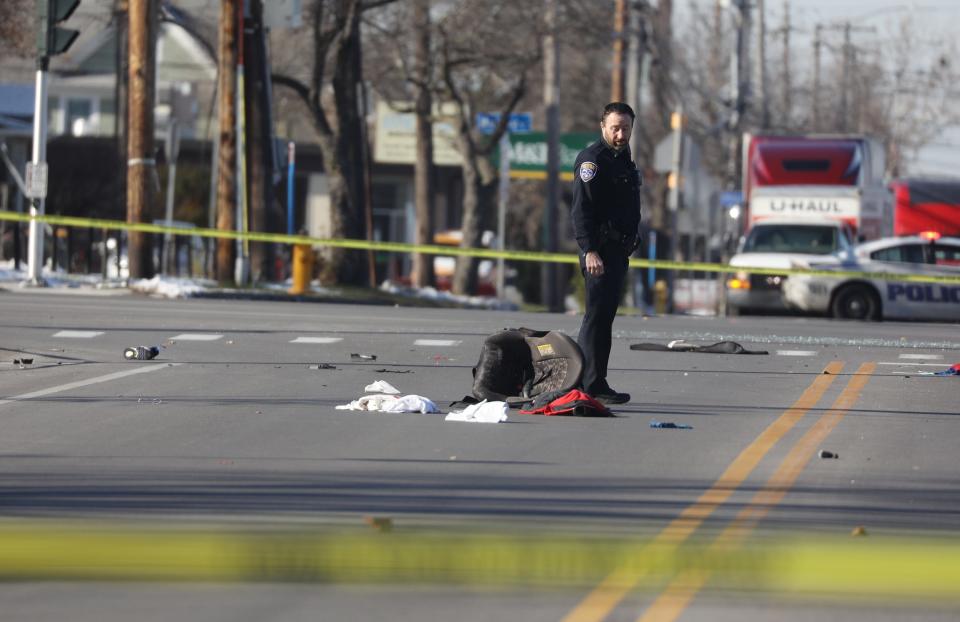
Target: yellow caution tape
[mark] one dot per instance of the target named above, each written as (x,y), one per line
(483,253)
(815,566)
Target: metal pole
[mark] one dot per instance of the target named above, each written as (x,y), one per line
(242,264)
(291,157)
(502,207)
(37,205)
(551,100)
(173,147)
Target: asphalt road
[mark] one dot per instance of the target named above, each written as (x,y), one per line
(233,425)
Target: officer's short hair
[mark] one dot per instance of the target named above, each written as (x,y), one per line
(619,108)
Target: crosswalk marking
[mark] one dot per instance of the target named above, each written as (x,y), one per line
(78,334)
(796,353)
(437,342)
(196,337)
(316,340)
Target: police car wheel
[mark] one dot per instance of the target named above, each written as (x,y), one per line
(856,302)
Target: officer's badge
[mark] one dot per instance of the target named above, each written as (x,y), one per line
(588,170)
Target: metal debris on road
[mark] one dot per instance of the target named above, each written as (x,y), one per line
(827,454)
(670,424)
(141,353)
(363,357)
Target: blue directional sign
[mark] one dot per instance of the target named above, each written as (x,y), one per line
(729,198)
(520,122)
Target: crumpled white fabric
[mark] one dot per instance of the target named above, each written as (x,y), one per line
(481,412)
(392,404)
(411,404)
(382,386)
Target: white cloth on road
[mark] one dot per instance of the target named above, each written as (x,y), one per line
(392,404)
(381,386)
(411,404)
(481,412)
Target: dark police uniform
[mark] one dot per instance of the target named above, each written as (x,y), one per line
(606,217)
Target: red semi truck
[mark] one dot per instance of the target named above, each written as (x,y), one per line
(922,205)
(818,177)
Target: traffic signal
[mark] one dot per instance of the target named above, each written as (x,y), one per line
(51,38)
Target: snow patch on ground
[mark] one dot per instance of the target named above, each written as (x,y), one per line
(430,293)
(171,287)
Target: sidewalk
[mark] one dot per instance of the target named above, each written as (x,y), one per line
(172,287)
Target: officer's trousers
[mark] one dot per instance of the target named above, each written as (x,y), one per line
(602,299)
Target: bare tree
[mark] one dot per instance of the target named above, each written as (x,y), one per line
(899,88)
(484,68)
(399,59)
(335,64)
(17,32)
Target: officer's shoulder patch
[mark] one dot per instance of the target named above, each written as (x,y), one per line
(588,170)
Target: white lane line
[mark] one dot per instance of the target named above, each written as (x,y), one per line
(914,364)
(83,383)
(78,334)
(196,337)
(436,342)
(317,340)
(796,353)
(922,357)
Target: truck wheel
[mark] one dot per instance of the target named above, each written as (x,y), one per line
(856,302)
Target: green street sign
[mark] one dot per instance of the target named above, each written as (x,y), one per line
(528,153)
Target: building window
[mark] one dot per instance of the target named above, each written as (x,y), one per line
(79,119)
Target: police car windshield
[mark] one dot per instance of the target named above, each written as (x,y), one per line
(807,239)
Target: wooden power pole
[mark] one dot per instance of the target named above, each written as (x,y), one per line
(141,163)
(227,165)
(619,50)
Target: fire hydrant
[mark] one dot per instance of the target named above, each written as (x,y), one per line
(302,268)
(660,297)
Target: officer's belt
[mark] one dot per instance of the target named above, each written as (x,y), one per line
(609,233)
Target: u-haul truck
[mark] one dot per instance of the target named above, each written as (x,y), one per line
(807,198)
(818,178)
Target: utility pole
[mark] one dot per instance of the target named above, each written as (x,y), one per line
(786,81)
(845,76)
(260,150)
(551,104)
(817,44)
(635,69)
(761,65)
(617,77)
(141,162)
(227,164)
(740,83)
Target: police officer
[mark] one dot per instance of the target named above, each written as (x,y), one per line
(606,217)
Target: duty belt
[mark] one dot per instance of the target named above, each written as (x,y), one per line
(629,242)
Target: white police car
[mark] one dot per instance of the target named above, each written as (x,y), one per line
(780,244)
(864,298)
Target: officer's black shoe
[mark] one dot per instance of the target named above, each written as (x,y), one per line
(609,396)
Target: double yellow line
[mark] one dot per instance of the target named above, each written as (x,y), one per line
(597,605)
